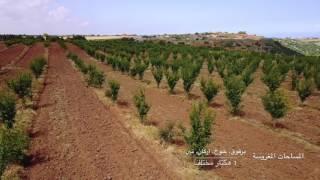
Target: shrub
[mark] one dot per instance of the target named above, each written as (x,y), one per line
(142,106)
(172,79)
(157,74)
(317,79)
(166,134)
(304,88)
(272,79)
(234,89)
(294,80)
(140,68)
(133,72)
(247,78)
(37,66)
(210,65)
(79,63)
(13,144)
(114,89)
(96,77)
(275,103)
(201,121)
(21,86)
(7,109)
(188,76)
(209,89)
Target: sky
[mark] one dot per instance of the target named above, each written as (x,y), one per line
(270,18)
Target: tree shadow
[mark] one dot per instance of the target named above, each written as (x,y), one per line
(216,105)
(123,103)
(33,159)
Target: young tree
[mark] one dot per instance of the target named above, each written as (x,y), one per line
(304,89)
(13,144)
(114,89)
(234,89)
(22,86)
(172,79)
(210,65)
(209,89)
(294,80)
(157,73)
(7,109)
(317,79)
(188,76)
(247,77)
(201,120)
(140,68)
(272,79)
(275,103)
(142,106)
(37,66)
(96,77)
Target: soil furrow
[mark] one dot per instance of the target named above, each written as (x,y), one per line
(76,137)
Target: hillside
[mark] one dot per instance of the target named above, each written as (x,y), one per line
(308,47)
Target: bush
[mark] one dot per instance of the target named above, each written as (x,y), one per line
(188,76)
(7,109)
(247,78)
(275,103)
(13,144)
(294,81)
(114,89)
(210,65)
(234,89)
(96,77)
(166,134)
(209,89)
(140,68)
(304,88)
(157,74)
(317,79)
(22,86)
(272,79)
(37,66)
(201,121)
(172,79)
(141,104)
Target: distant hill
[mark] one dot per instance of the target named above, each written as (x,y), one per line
(230,41)
(308,47)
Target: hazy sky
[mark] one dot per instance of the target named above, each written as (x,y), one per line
(279,18)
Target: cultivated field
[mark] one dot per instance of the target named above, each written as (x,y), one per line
(121,109)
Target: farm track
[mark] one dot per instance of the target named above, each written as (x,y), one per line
(22,64)
(12,54)
(76,137)
(229,132)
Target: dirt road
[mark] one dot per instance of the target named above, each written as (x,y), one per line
(77,137)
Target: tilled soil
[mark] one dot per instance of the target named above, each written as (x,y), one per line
(76,137)
(228,133)
(9,55)
(22,64)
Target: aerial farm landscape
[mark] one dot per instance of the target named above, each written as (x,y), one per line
(202,105)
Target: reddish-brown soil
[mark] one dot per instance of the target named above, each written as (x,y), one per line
(11,54)
(2,46)
(245,132)
(37,50)
(76,137)
(22,64)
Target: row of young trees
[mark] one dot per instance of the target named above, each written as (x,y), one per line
(14,141)
(181,62)
(178,62)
